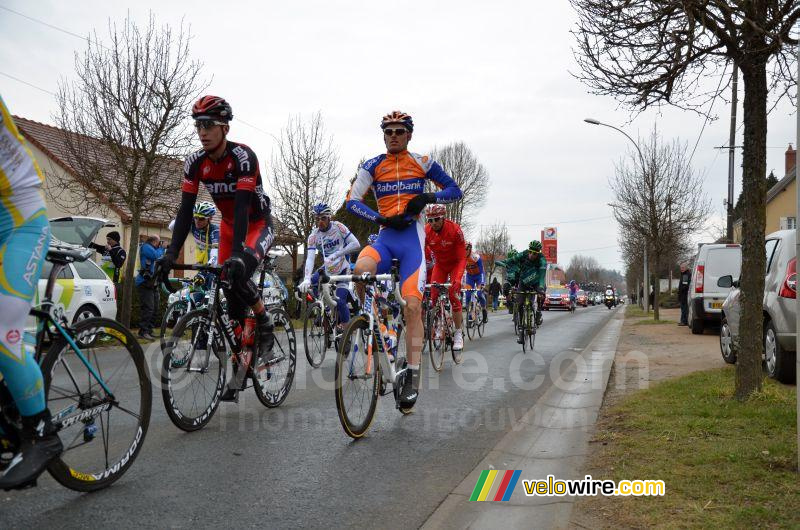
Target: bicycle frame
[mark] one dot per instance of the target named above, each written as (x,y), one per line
(370,308)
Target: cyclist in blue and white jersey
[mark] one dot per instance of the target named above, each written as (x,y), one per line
(334,241)
(24,239)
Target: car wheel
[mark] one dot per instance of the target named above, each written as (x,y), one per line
(695,324)
(779,363)
(726,346)
(83,313)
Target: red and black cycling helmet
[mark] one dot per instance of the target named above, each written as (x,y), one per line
(398,116)
(212,108)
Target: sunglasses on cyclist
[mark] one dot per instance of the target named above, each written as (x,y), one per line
(434,219)
(207,124)
(395,132)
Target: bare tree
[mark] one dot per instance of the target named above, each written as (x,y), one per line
(649,52)
(584,269)
(125,123)
(305,171)
(494,245)
(660,202)
(458,160)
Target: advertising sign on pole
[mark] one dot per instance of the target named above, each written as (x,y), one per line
(550,244)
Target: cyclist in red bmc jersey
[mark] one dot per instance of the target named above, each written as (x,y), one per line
(229,171)
(445,241)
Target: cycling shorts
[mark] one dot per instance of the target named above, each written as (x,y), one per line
(24,239)
(408,246)
(441,273)
(474,280)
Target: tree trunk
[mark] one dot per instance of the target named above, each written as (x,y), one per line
(656,286)
(754,190)
(131,266)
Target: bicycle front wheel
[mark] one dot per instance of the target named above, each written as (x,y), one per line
(272,383)
(191,397)
(438,339)
(357,377)
(102,433)
(523,329)
(314,339)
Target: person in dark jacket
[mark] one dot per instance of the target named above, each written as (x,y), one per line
(494,291)
(149,253)
(113,256)
(683,293)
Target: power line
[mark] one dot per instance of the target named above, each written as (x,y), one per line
(26,83)
(586,249)
(556,223)
(51,26)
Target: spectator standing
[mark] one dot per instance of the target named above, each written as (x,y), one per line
(113,256)
(149,252)
(683,293)
(494,291)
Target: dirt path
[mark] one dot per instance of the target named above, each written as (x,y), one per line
(646,353)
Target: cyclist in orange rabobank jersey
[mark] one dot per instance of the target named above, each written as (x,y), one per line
(398,180)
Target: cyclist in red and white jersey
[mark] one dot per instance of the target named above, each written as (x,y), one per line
(230,173)
(444,240)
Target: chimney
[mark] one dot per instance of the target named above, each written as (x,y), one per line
(791,159)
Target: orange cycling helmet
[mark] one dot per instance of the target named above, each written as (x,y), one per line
(398,116)
(435,210)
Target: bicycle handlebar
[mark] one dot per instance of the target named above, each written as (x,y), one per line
(364,278)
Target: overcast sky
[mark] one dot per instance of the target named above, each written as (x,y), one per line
(496,76)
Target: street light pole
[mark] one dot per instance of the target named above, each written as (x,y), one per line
(797,253)
(646,283)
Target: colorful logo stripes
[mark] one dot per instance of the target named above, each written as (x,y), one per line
(495,485)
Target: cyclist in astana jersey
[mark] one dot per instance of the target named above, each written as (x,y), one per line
(444,242)
(230,173)
(24,239)
(334,242)
(398,180)
(475,277)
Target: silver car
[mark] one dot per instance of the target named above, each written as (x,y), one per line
(780,292)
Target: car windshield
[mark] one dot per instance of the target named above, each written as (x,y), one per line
(76,230)
(556,291)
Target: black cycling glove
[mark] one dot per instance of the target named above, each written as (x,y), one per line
(418,203)
(397,222)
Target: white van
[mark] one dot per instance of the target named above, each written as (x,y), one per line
(705,298)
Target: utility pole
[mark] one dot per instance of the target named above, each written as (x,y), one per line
(732,150)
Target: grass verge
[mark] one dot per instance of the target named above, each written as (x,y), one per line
(725,464)
(634,311)
(654,321)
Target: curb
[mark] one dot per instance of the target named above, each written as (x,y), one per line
(552,438)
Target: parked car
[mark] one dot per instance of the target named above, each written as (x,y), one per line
(82,288)
(557,298)
(780,293)
(712,262)
(583,298)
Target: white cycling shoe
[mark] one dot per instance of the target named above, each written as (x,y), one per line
(458,340)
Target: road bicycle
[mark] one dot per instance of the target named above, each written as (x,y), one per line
(96,387)
(189,296)
(526,322)
(441,327)
(369,359)
(320,326)
(193,372)
(475,324)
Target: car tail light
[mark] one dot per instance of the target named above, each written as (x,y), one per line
(789,287)
(698,279)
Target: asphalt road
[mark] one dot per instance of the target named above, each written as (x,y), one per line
(294,467)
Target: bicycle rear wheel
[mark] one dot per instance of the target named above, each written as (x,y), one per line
(173,312)
(523,329)
(314,339)
(471,322)
(357,378)
(191,398)
(481,322)
(272,383)
(438,339)
(102,435)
